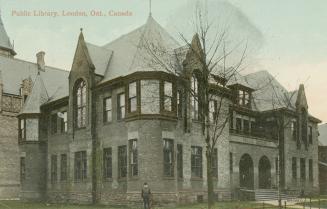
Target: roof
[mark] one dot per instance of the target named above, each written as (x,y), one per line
(4,39)
(14,71)
(268,93)
(100,57)
(322,163)
(322,134)
(131,51)
(37,97)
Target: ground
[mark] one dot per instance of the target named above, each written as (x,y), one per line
(220,205)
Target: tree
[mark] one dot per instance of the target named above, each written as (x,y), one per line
(204,69)
(277,119)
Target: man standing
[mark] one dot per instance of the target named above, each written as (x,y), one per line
(146,193)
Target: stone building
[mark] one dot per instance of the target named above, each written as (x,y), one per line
(118,123)
(323,158)
(16,81)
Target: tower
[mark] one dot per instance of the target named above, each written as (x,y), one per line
(32,147)
(6,48)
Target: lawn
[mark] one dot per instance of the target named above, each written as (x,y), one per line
(220,205)
(315,203)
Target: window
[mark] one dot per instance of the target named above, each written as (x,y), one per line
(133,157)
(122,161)
(107,163)
(310,170)
(80,173)
(168,154)
(168,96)
(132,97)
(304,121)
(150,97)
(194,98)
(22,168)
(277,166)
(294,168)
(179,104)
(22,129)
(246,126)
(196,161)
(243,98)
(180,161)
(53,123)
(63,122)
(121,106)
(238,125)
(302,168)
(213,105)
(214,163)
(231,120)
(53,169)
(231,162)
(107,111)
(294,129)
(310,134)
(63,167)
(80,102)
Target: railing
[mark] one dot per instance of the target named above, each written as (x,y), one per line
(254,133)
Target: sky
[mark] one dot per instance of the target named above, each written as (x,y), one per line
(291,35)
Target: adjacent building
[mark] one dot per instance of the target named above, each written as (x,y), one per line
(121,120)
(16,82)
(323,158)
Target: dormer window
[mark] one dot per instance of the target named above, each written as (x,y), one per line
(243,98)
(80,103)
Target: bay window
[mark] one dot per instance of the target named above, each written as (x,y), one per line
(168,96)
(132,97)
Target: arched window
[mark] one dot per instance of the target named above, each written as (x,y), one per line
(80,103)
(194,98)
(304,122)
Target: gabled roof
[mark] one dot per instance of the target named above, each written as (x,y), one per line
(4,39)
(100,57)
(131,51)
(38,96)
(14,71)
(268,93)
(323,134)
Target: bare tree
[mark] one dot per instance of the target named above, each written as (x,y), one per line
(214,72)
(281,106)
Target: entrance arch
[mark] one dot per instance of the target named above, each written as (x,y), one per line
(246,172)
(264,173)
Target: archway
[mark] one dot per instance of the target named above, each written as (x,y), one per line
(264,173)
(246,172)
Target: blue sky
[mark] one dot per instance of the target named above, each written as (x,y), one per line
(294,34)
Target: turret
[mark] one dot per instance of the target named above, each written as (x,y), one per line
(31,144)
(6,48)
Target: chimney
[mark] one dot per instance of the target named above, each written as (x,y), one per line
(40,61)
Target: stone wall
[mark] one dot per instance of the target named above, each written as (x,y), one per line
(9,156)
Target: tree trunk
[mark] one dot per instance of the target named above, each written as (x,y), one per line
(211,199)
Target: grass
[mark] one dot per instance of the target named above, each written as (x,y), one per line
(315,203)
(220,205)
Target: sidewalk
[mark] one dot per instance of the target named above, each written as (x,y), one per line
(292,203)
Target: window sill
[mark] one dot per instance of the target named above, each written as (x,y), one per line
(81,128)
(122,179)
(196,178)
(107,179)
(106,123)
(134,178)
(168,178)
